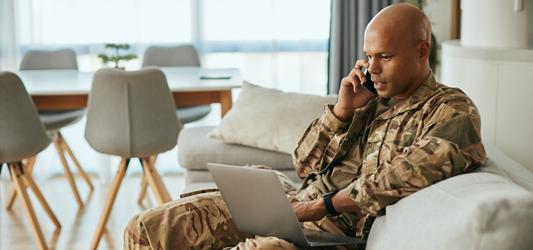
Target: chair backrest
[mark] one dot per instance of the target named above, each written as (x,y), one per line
(180,56)
(131,113)
(22,134)
(59,59)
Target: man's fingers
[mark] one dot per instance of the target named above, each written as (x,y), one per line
(361,63)
(361,76)
(358,70)
(349,80)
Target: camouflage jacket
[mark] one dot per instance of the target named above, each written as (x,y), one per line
(430,136)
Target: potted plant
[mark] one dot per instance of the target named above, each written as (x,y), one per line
(117,57)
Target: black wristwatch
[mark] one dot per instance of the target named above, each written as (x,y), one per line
(329,204)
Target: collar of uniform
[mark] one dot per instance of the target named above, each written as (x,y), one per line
(415,101)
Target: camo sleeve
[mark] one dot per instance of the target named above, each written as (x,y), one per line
(450,144)
(319,143)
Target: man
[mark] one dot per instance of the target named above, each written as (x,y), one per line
(374,149)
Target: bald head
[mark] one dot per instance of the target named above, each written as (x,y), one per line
(401,22)
(397,43)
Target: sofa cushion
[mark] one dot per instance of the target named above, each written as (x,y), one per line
(269,118)
(491,208)
(195,150)
(500,164)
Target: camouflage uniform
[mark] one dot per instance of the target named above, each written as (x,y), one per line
(202,221)
(430,136)
(389,150)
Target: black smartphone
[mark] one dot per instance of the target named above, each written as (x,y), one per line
(369,84)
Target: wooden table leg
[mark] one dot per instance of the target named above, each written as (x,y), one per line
(225,101)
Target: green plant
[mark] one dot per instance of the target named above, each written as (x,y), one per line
(418,3)
(117,57)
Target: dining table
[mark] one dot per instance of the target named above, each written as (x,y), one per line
(69,89)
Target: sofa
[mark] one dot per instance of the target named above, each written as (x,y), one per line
(489,208)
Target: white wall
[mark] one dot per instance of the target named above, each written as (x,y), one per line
(439,13)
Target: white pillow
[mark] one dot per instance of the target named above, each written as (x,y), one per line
(268,118)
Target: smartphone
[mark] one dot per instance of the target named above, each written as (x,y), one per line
(369,84)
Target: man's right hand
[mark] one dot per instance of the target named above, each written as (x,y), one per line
(352,94)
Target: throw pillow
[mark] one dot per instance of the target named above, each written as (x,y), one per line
(268,118)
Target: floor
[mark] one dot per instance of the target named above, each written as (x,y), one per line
(77,224)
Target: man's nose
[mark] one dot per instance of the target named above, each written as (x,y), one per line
(374,68)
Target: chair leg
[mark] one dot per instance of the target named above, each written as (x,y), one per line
(80,170)
(11,199)
(110,200)
(153,158)
(68,174)
(144,184)
(155,182)
(29,181)
(31,163)
(144,187)
(17,176)
(29,167)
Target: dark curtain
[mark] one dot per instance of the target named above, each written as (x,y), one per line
(348,22)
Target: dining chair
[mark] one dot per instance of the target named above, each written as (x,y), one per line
(54,120)
(22,137)
(131,114)
(180,56)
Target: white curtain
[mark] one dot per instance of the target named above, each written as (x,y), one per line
(214,26)
(8,41)
(278,43)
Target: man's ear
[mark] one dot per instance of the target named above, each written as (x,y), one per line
(423,50)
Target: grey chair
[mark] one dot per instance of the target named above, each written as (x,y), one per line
(41,60)
(54,120)
(131,115)
(180,56)
(22,136)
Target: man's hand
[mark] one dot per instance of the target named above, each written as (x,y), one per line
(315,210)
(310,210)
(352,94)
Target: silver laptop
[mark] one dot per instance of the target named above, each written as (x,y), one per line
(259,206)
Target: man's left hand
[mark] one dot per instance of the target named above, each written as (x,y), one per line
(310,210)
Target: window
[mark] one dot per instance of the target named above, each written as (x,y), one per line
(280,44)
(77,22)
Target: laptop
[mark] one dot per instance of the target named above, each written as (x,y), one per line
(259,206)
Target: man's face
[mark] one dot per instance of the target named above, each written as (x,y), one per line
(393,63)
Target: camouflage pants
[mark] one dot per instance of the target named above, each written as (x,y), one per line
(203,221)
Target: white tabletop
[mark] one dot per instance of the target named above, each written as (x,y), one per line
(180,79)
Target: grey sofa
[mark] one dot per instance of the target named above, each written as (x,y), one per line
(491,208)
(195,150)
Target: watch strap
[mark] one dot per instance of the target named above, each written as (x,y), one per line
(329,204)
